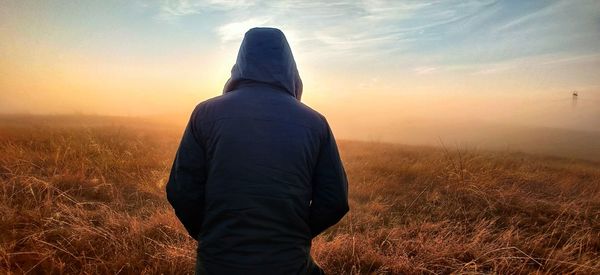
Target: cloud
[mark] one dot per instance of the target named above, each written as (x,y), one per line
(425,70)
(546,11)
(437,33)
(534,62)
(336,23)
(234,31)
(172,9)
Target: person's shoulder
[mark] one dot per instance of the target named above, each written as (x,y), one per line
(205,108)
(315,115)
(209,103)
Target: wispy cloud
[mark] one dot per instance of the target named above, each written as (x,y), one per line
(235,30)
(172,9)
(534,62)
(425,70)
(365,23)
(438,33)
(528,17)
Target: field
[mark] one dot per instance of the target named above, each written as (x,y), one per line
(86,195)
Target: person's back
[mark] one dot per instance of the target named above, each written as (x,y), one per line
(258,174)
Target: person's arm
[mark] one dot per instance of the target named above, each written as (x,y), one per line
(330,188)
(185,188)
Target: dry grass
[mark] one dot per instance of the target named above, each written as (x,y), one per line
(89,199)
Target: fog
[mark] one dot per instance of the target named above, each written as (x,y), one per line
(560,125)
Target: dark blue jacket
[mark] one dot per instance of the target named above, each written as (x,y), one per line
(258,174)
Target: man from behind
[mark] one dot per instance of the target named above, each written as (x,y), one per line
(258,174)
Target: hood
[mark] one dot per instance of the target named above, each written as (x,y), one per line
(265,56)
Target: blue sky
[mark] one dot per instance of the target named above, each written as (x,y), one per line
(444,33)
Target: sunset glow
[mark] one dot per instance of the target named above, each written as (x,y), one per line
(371,61)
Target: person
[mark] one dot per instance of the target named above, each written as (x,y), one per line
(258,174)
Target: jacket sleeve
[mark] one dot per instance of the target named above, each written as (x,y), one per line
(329,188)
(185,188)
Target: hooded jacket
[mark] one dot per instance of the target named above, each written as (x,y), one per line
(257,174)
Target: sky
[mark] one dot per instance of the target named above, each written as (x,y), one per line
(370,63)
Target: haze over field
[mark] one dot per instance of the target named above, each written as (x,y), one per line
(483,73)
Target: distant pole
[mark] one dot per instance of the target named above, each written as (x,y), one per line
(574,101)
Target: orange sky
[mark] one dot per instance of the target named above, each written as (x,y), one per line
(372,62)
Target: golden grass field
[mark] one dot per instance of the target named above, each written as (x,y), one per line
(86,195)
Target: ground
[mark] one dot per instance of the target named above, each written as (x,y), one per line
(86,195)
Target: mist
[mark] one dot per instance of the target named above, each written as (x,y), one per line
(479,75)
(560,125)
